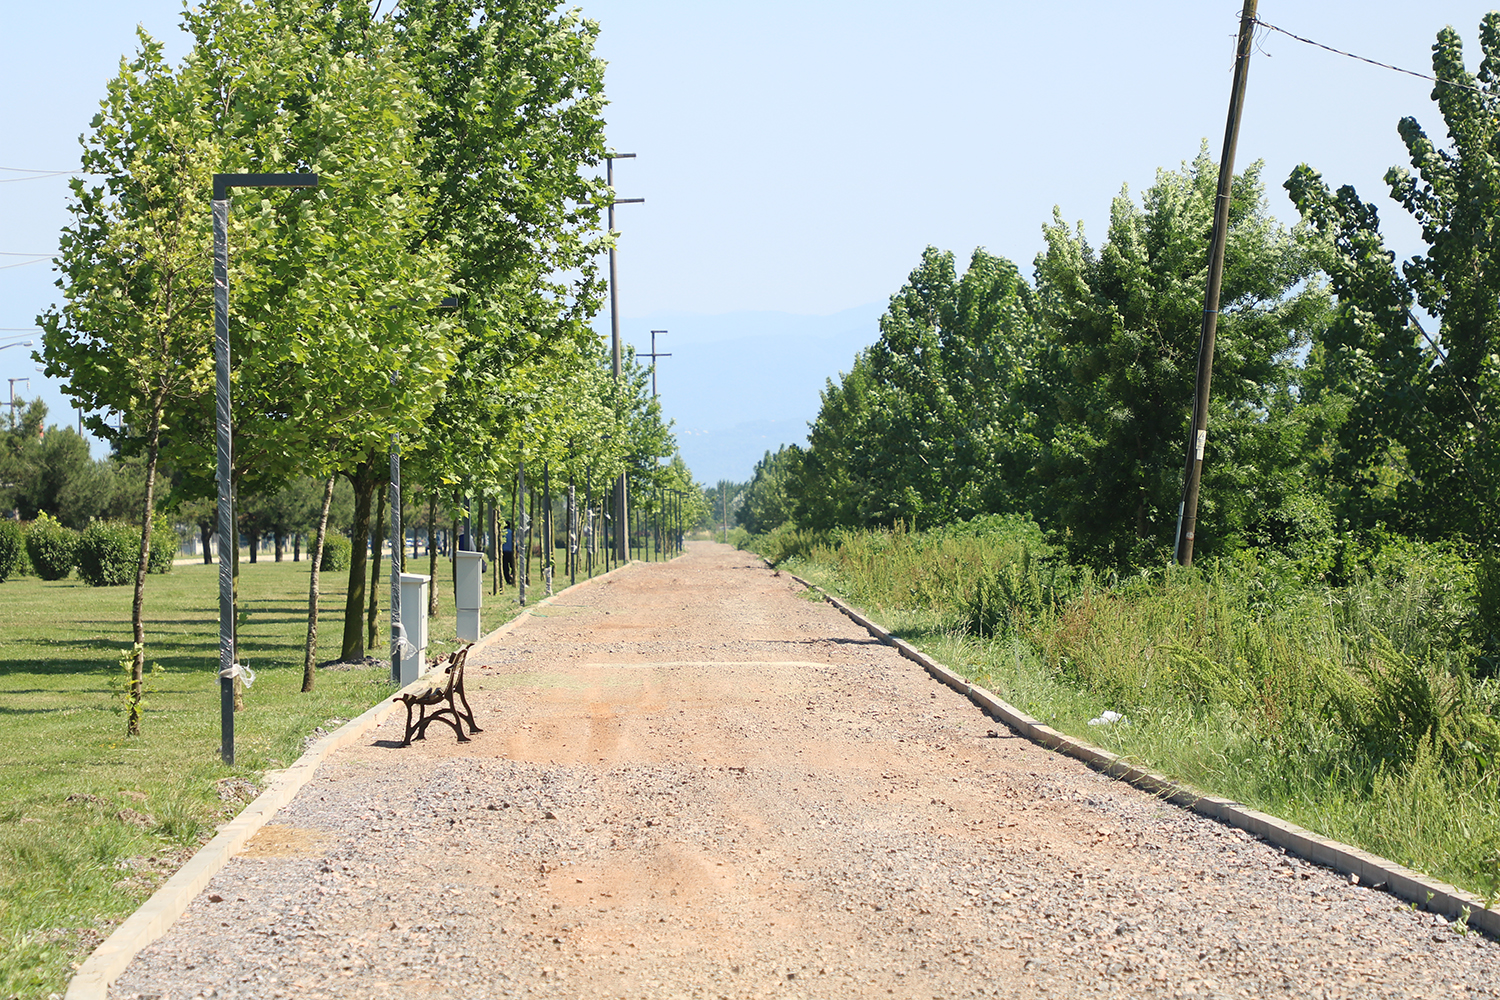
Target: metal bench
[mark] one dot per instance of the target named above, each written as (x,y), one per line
(442,689)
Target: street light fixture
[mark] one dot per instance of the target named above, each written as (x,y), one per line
(228,668)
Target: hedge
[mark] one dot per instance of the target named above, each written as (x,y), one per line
(53,549)
(12,546)
(108,553)
(337,552)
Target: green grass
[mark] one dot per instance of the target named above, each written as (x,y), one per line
(1352,711)
(92,822)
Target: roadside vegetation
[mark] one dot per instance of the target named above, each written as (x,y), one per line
(1345,709)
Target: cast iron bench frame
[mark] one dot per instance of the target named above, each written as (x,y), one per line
(441,691)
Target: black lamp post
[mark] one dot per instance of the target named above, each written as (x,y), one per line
(228,668)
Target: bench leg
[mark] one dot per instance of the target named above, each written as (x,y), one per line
(468,712)
(442,715)
(406,740)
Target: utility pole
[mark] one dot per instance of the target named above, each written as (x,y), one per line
(622,538)
(653,356)
(13,382)
(1187,510)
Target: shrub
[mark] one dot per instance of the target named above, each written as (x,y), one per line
(337,553)
(12,544)
(53,549)
(108,553)
(165,544)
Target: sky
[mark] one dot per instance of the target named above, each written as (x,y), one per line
(798,157)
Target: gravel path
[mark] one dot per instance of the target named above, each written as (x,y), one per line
(693,782)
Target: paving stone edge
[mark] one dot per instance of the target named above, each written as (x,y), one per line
(158,913)
(1372,870)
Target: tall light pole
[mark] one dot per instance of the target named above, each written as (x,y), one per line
(622,538)
(228,668)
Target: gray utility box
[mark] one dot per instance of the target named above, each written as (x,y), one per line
(414,621)
(468,587)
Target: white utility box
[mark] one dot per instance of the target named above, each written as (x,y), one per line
(468,588)
(414,622)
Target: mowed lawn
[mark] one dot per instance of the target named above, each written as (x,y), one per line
(91,822)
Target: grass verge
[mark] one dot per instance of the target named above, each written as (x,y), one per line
(91,823)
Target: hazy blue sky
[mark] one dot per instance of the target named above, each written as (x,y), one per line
(799,156)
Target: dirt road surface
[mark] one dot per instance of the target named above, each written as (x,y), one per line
(695,782)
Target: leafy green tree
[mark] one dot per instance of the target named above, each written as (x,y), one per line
(1122,329)
(935,421)
(1421,444)
(49,469)
(767,502)
(131,337)
(826,492)
(336,343)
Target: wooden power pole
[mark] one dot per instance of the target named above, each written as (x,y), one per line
(1187,510)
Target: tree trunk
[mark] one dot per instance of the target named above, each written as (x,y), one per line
(280,545)
(297,546)
(254,539)
(206,536)
(375,550)
(453,552)
(363,479)
(309,662)
(138,604)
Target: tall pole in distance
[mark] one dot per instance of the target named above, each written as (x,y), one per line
(229,550)
(1187,511)
(653,356)
(622,538)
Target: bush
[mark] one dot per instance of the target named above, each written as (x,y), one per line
(165,545)
(53,549)
(108,553)
(12,545)
(337,553)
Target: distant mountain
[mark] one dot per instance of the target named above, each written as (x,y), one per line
(741,384)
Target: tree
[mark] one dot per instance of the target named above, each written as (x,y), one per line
(1122,329)
(946,432)
(1422,404)
(131,335)
(767,503)
(338,342)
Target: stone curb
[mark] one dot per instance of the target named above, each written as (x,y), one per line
(1373,871)
(156,916)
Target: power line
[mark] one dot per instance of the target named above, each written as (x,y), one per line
(23,263)
(1373,62)
(42,177)
(15,253)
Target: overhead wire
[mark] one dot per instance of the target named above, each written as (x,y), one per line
(1373,62)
